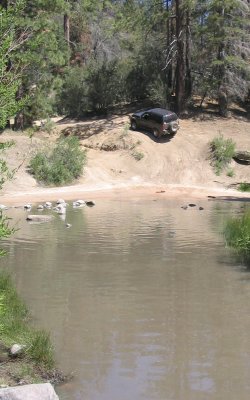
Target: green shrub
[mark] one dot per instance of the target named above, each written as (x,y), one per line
(125,131)
(61,165)
(244,187)
(5,230)
(138,155)
(230,172)
(223,151)
(237,234)
(97,87)
(159,92)
(48,125)
(14,327)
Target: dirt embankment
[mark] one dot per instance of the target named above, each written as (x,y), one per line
(131,162)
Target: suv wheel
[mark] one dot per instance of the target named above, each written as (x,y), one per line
(133,125)
(156,133)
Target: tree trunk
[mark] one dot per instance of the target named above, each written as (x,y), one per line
(170,31)
(188,78)
(19,122)
(19,118)
(66,27)
(222,91)
(4,4)
(180,66)
(223,102)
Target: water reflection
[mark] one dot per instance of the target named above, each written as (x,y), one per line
(140,300)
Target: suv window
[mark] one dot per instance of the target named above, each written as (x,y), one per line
(170,117)
(157,118)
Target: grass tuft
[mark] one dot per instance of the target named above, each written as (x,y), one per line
(138,155)
(237,234)
(41,350)
(230,172)
(222,152)
(15,326)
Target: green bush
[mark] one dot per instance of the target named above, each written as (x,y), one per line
(223,151)
(48,126)
(244,187)
(230,172)
(73,97)
(61,165)
(237,234)
(159,92)
(138,155)
(96,88)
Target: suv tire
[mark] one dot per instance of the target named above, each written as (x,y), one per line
(133,125)
(156,133)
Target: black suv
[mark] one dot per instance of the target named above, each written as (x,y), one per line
(157,120)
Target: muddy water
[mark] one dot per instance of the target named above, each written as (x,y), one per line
(141,298)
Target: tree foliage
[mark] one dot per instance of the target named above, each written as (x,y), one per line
(11,43)
(77,56)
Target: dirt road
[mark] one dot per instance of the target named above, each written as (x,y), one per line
(119,158)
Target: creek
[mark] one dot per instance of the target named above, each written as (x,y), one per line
(142,299)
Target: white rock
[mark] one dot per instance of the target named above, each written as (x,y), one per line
(60,209)
(40,207)
(48,204)
(79,203)
(60,201)
(3,207)
(41,391)
(16,349)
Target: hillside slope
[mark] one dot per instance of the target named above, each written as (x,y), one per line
(121,158)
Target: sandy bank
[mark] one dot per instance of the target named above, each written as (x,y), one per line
(119,192)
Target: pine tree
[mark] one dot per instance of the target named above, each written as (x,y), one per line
(222,50)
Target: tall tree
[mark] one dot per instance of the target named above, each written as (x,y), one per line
(12,41)
(42,59)
(222,50)
(180,64)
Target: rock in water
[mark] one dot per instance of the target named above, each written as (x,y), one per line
(39,218)
(90,203)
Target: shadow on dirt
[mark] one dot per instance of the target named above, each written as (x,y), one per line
(231,198)
(163,139)
(88,127)
(241,162)
(85,128)
(210,113)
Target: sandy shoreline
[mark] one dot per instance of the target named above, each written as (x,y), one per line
(119,192)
